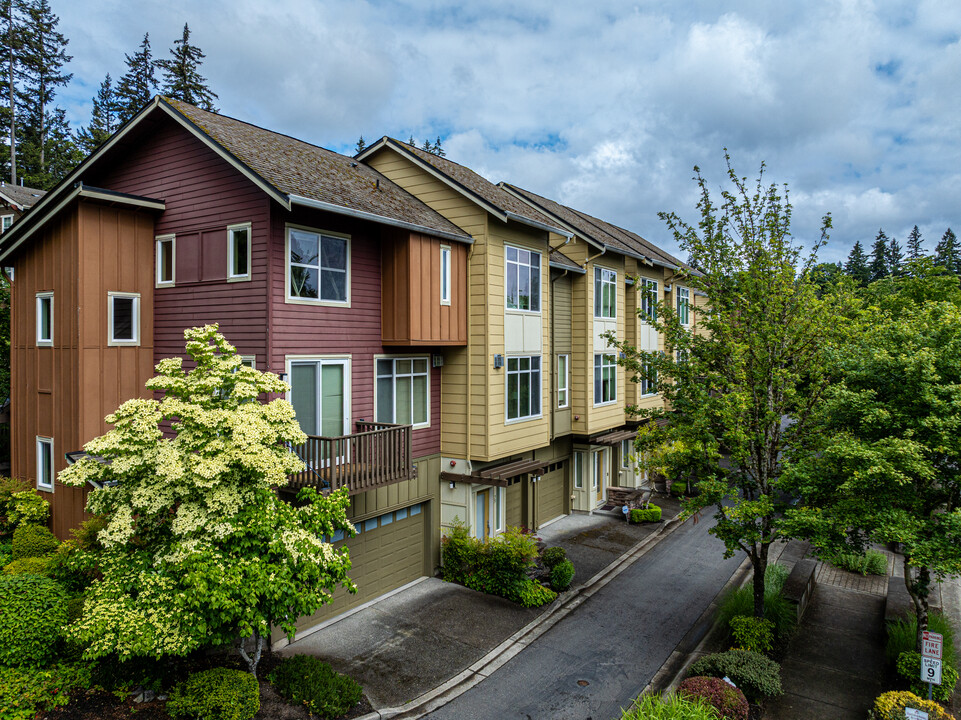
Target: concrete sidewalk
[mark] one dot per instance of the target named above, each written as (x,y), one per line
(433,640)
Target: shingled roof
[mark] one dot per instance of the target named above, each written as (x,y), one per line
(592,229)
(22,198)
(560,261)
(298,169)
(465,180)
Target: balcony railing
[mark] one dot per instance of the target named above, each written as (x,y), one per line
(378,454)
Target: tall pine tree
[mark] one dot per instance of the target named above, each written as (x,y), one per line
(915,251)
(137,85)
(181,74)
(878,266)
(857,265)
(103,121)
(361,145)
(947,254)
(11,47)
(895,257)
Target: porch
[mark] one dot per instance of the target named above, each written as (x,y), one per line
(378,454)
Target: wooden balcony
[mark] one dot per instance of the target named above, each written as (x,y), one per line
(378,454)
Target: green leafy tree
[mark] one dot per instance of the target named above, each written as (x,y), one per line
(885,465)
(757,358)
(826,276)
(137,85)
(880,266)
(915,244)
(181,74)
(198,548)
(947,254)
(104,118)
(857,265)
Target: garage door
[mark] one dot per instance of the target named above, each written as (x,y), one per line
(549,494)
(387,552)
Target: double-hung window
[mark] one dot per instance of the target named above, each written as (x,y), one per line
(445,275)
(238,252)
(5,222)
(123,318)
(523,279)
(403,394)
(605,293)
(605,379)
(166,260)
(44,463)
(648,292)
(683,305)
(563,381)
(45,319)
(317,266)
(523,387)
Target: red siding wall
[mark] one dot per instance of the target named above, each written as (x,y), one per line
(204,195)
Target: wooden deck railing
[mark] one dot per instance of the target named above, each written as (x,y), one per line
(378,454)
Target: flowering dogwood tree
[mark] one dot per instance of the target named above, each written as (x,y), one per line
(199,549)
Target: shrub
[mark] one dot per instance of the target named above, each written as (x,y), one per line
(740,602)
(20,504)
(669,707)
(729,702)
(758,676)
(562,575)
(34,609)
(33,541)
(6,552)
(309,681)
(533,594)
(75,608)
(752,633)
(459,553)
(217,694)
(870,563)
(891,705)
(24,693)
(652,513)
(552,556)
(679,488)
(909,668)
(902,637)
(29,566)
(75,562)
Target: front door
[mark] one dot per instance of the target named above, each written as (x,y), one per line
(597,478)
(482,515)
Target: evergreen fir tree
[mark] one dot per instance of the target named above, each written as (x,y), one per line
(947,254)
(361,145)
(878,266)
(181,74)
(103,121)
(915,242)
(42,127)
(11,72)
(438,149)
(857,265)
(411,141)
(427,147)
(895,257)
(137,85)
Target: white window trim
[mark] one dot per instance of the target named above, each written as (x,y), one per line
(499,524)
(687,301)
(649,289)
(540,371)
(625,464)
(563,383)
(345,359)
(578,465)
(416,426)
(230,252)
(445,265)
(602,282)
(249,361)
(113,342)
(3,219)
(540,299)
(159,240)
(41,297)
(594,384)
(292,300)
(45,442)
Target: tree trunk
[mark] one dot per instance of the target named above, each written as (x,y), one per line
(759,561)
(919,588)
(13,104)
(252,659)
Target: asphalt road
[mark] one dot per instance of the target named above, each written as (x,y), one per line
(598,658)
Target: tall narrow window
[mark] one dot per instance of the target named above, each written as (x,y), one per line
(605,379)
(123,318)
(683,305)
(578,470)
(627,448)
(403,391)
(45,463)
(563,380)
(605,293)
(45,318)
(317,266)
(648,292)
(648,380)
(238,252)
(444,275)
(166,260)
(5,222)
(523,387)
(522,269)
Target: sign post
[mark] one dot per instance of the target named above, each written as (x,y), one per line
(932,644)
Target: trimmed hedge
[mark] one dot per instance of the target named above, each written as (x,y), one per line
(33,541)
(729,702)
(217,694)
(34,611)
(758,676)
(309,681)
(652,513)
(30,566)
(562,575)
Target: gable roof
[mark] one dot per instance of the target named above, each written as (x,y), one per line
(602,234)
(560,261)
(465,181)
(21,197)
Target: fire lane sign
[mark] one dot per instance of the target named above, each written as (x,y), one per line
(932,644)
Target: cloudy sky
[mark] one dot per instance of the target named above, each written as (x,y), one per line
(603,105)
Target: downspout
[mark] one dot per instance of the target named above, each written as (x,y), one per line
(470,337)
(553,350)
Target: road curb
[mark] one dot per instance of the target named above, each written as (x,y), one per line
(503,653)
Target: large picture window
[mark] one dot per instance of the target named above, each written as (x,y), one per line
(403,394)
(648,290)
(605,379)
(523,279)
(605,293)
(317,266)
(523,387)
(684,305)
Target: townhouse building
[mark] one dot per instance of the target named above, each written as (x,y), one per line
(442,335)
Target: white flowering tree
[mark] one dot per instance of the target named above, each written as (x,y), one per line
(199,549)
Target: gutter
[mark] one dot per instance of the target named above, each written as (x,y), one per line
(374,217)
(535,224)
